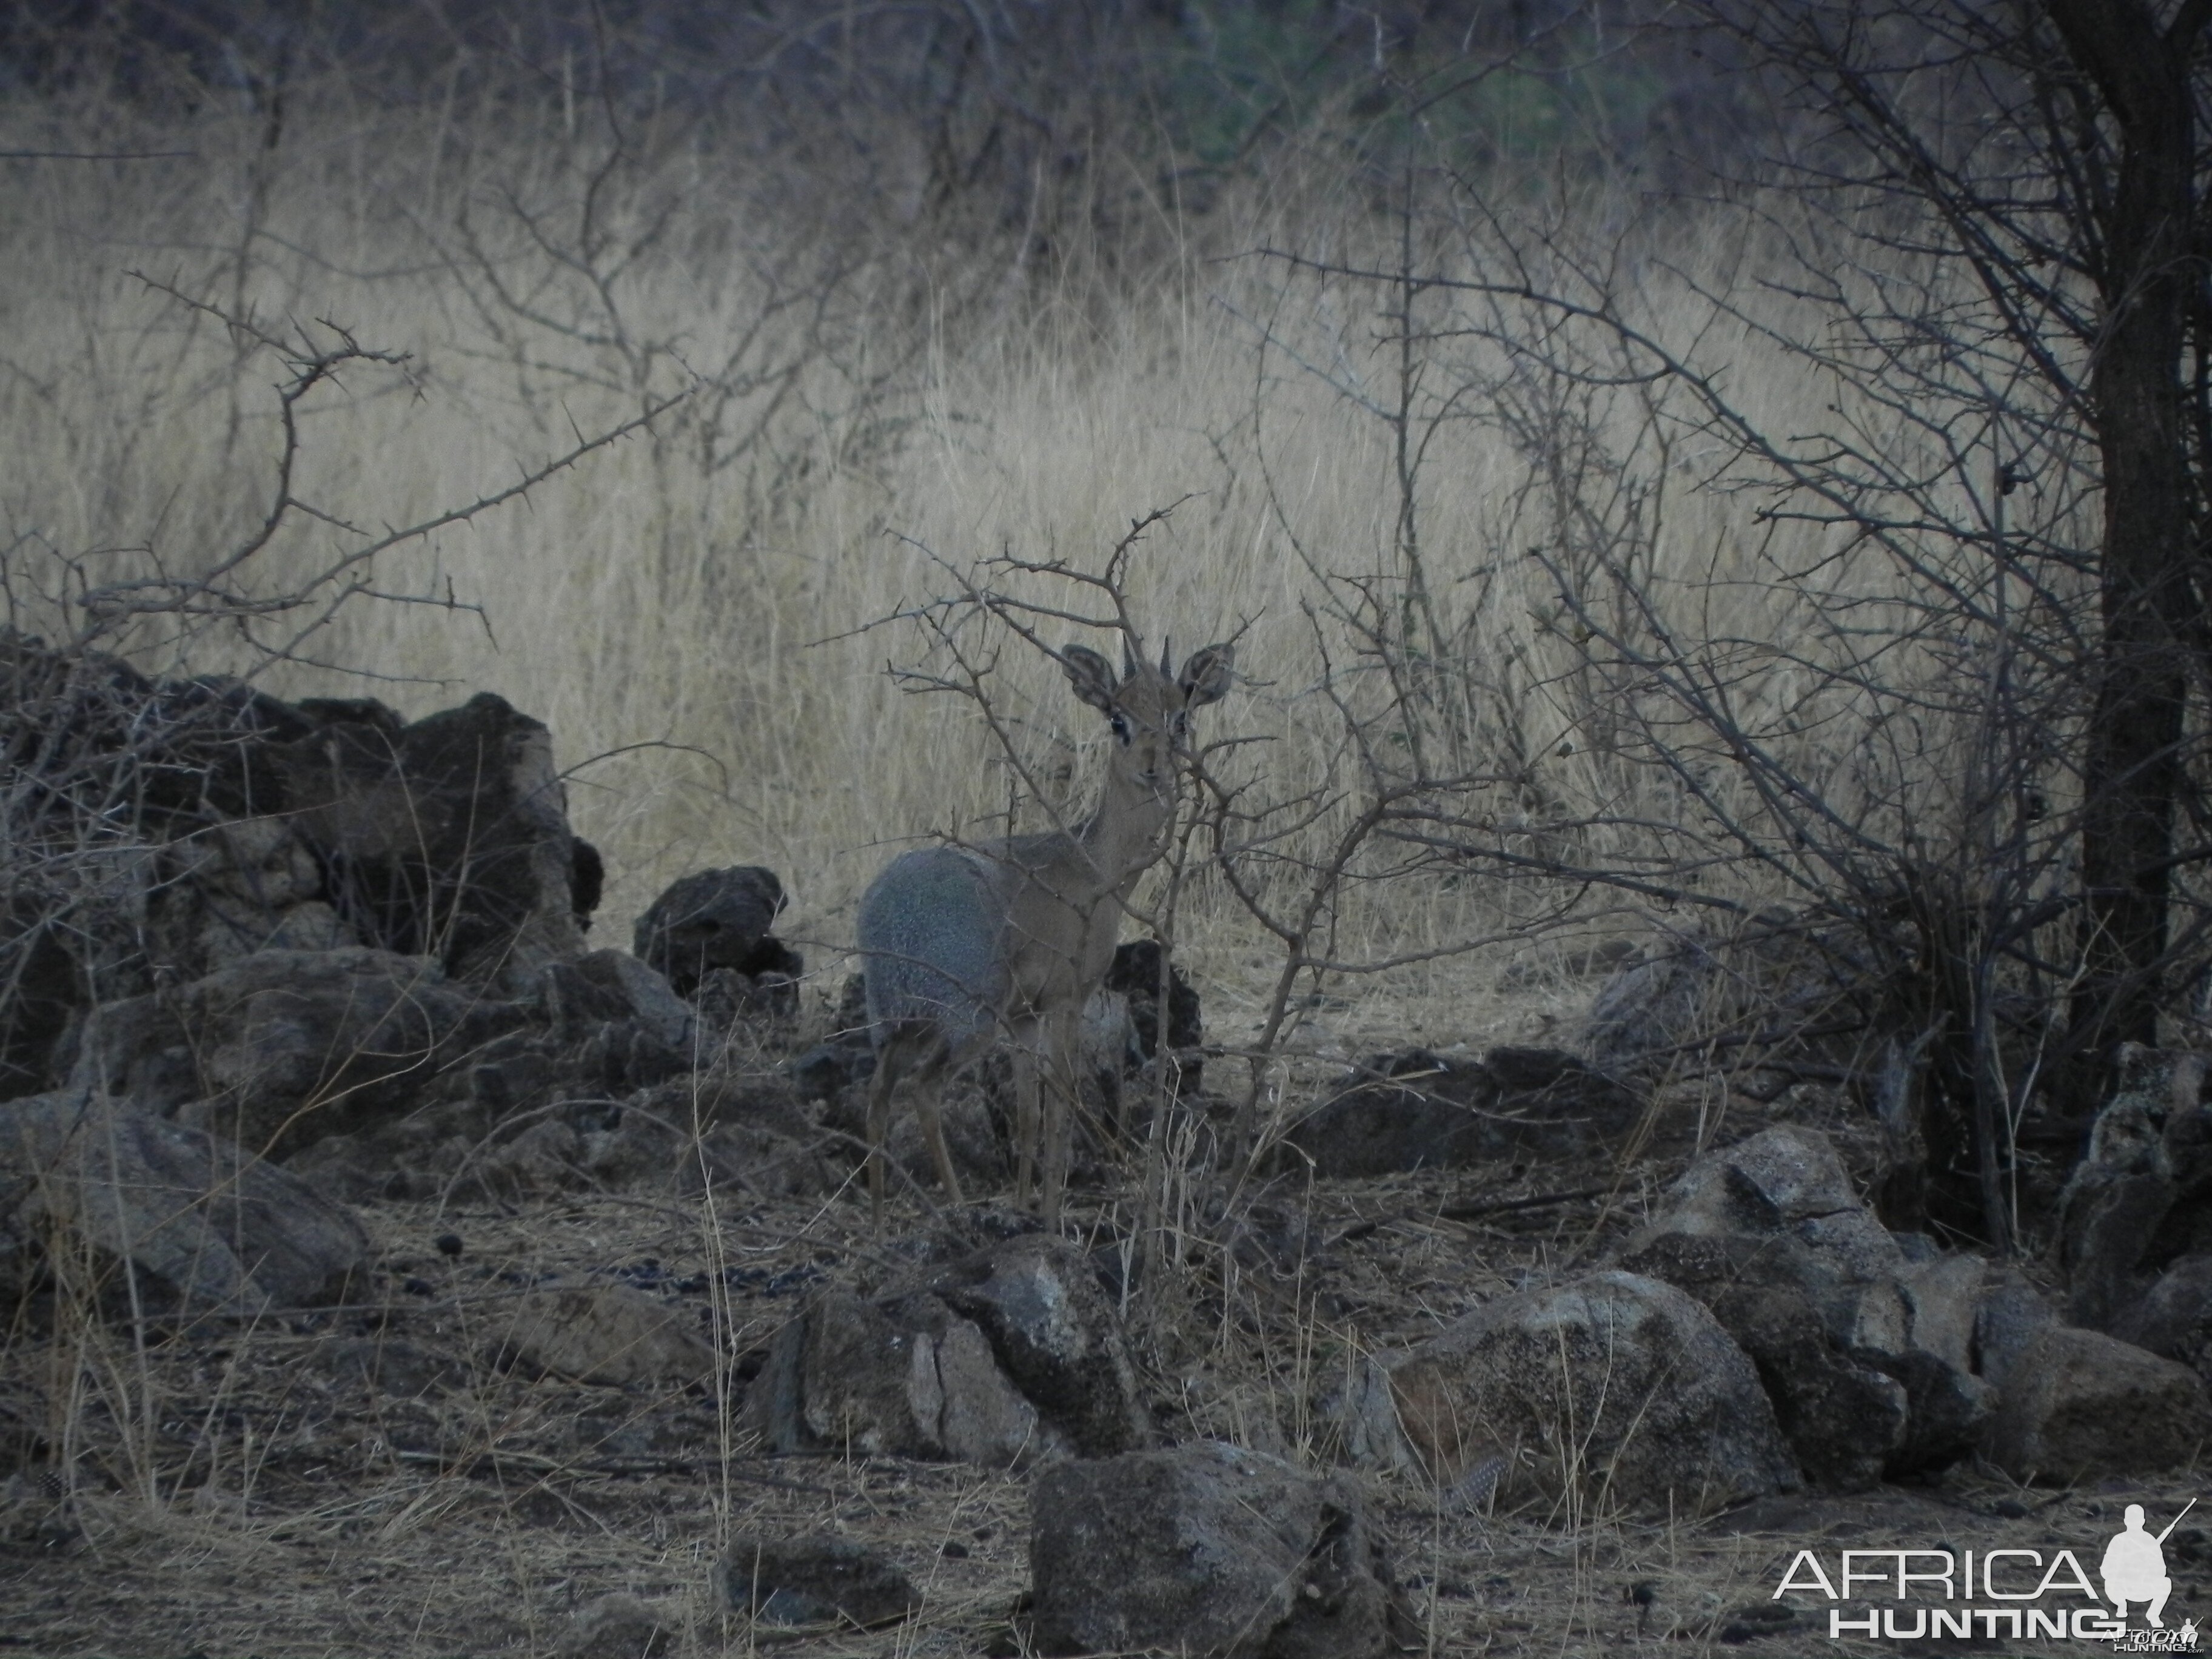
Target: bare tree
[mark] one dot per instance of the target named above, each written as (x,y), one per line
(2049,153)
(1952,748)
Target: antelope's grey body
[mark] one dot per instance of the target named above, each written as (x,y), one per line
(961,943)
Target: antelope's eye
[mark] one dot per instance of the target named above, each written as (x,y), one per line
(1179,724)
(1120,725)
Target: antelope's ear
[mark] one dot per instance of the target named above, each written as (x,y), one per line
(1206,675)
(1091,676)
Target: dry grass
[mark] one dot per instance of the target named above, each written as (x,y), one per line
(695,628)
(295,1509)
(696,633)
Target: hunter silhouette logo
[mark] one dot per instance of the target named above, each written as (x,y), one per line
(2134,1565)
(2020,1594)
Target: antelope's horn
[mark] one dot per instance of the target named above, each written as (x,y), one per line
(1167,656)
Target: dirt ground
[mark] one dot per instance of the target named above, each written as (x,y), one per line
(252,1492)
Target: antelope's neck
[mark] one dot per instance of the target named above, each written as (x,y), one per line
(1123,838)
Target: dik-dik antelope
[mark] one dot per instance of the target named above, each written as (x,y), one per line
(961,942)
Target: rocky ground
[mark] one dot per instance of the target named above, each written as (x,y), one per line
(374,1478)
(388,1271)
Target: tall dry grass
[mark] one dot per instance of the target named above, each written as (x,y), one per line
(701,611)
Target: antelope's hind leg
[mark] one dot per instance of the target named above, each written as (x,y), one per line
(915,1054)
(892,1058)
(941,1062)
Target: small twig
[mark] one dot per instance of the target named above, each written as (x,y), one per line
(477,1464)
(1470,1211)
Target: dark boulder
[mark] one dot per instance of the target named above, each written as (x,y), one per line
(2078,1405)
(622,1024)
(1845,1419)
(1134,976)
(1417,1109)
(1779,983)
(230,824)
(450,836)
(716,919)
(1207,1549)
(288,1046)
(1054,1334)
(846,1056)
(816,1580)
(2173,1317)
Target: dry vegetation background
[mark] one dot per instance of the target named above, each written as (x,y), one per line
(877,392)
(878,353)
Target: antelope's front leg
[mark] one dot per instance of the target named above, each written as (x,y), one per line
(880,1088)
(1061,1030)
(1026,1147)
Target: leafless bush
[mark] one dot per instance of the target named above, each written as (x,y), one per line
(1939,713)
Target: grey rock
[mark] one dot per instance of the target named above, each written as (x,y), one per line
(1131,986)
(230,929)
(622,1026)
(1845,1420)
(242,885)
(605,984)
(903,1377)
(620,1627)
(513,1072)
(258,826)
(222,1233)
(730,1003)
(1616,1387)
(344,1168)
(1056,1338)
(1943,1300)
(626,1148)
(1778,977)
(1206,1549)
(2145,1149)
(1655,1003)
(293,1045)
(2078,1405)
(1949,1412)
(972,1136)
(808,1581)
(545,1157)
(2010,1316)
(606,1334)
(847,1058)
(828,1067)
(1869,1356)
(136,1049)
(1135,973)
(390,1365)
(257,860)
(2173,1317)
(469,798)
(41,1017)
(1917,1247)
(1006,1356)
(1785,1182)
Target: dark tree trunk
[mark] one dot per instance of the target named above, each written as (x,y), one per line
(2131,767)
